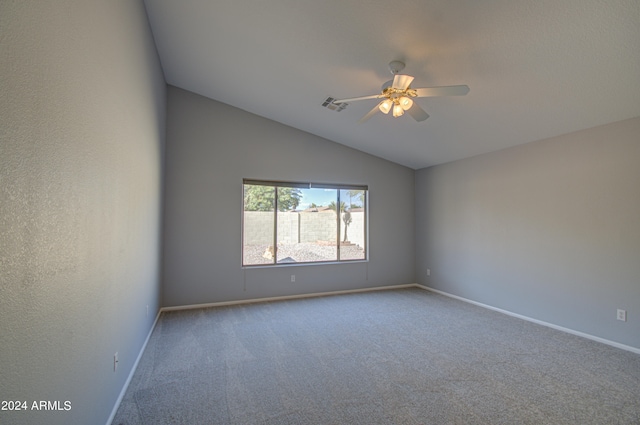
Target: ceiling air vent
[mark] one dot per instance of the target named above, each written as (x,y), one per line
(334,106)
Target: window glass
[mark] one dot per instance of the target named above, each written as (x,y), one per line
(309,234)
(285,223)
(259,225)
(352,224)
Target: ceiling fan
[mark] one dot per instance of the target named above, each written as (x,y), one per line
(397,95)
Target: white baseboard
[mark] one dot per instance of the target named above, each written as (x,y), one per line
(285,297)
(539,322)
(133,369)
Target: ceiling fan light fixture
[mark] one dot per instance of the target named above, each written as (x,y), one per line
(397,94)
(397,110)
(406,102)
(385,106)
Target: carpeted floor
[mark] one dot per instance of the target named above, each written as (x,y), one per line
(403,356)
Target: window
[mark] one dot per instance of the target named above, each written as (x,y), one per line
(286,223)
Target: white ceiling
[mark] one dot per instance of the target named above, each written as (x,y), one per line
(536,69)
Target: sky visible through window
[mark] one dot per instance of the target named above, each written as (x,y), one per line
(320,197)
(324,197)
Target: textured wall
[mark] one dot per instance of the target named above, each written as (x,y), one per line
(81,144)
(211,147)
(549,230)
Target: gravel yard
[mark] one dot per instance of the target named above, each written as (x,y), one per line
(301,253)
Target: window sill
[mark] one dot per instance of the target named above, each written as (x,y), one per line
(316,263)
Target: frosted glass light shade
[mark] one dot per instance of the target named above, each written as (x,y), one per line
(386,106)
(406,102)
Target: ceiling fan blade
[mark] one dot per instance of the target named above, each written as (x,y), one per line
(442,91)
(417,112)
(354,99)
(370,114)
(401,82)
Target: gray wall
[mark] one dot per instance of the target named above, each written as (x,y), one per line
(82,122)
(211,147)
(549,230)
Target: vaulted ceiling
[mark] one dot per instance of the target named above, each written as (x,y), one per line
(535,69)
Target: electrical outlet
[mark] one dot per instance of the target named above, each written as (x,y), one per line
(622,315)
(115,361)
(428,272)
(293,278)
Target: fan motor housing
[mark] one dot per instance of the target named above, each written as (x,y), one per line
(396,66)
